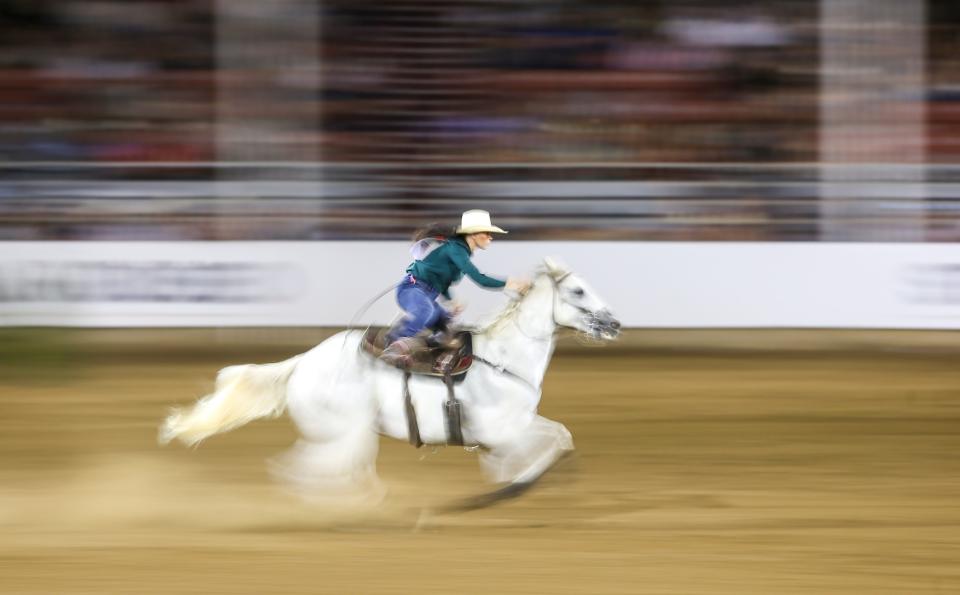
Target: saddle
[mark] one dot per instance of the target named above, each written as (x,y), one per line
(453,360)
(449,363)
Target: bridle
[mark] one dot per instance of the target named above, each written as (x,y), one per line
(556,325)
(553,314)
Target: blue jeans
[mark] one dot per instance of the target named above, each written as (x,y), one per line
(419,302)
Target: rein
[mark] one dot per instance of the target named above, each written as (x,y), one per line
(503,370)
(553,315)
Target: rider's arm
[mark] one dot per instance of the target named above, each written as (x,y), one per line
(462,260)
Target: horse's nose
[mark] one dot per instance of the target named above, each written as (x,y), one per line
(609,321)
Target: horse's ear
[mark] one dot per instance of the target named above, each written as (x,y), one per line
(554,269)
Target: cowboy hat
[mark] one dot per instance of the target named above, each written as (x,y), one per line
(477,221)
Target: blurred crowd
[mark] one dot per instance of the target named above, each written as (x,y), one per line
(573,81)
(428,86)
(106,81)
(943,82)
(609,80)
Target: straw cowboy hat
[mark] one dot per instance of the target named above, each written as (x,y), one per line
(477,221)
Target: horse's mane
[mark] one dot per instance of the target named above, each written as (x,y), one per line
(510,309)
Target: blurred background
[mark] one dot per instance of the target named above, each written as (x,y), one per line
(796,120)
(767,194)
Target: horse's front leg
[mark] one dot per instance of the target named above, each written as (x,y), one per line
(517,457)
(525,453)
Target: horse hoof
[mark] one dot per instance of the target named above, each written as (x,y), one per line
(507,492)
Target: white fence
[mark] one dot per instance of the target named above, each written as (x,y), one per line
(668,285)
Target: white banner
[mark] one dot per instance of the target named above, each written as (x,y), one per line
(666,285)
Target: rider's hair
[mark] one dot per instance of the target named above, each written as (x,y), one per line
(435,230)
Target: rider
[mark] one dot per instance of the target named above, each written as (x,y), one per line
(442,260)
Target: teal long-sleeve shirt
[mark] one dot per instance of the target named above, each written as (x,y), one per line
(447,264)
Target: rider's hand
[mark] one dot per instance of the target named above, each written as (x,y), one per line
(454,307)
(518,284)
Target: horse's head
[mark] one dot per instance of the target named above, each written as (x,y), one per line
(577,306)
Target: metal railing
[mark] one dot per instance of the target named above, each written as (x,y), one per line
(590,201)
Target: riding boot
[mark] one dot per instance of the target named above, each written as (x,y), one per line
(402,352)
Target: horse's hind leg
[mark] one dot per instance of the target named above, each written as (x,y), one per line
(340,466)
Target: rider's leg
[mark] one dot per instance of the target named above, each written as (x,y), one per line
(405,340)
(442,334)
(421,311)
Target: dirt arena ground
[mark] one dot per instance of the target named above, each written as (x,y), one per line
(807,466)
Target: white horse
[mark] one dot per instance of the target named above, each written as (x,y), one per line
(342,399)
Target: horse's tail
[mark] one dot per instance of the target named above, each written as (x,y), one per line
(242,394)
